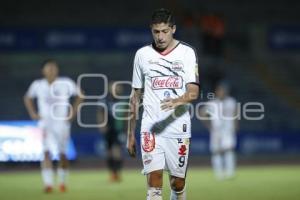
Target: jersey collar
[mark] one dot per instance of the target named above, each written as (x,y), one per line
(167,52)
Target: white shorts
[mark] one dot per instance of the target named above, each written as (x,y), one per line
(161,153)
(222,142)
(56,134)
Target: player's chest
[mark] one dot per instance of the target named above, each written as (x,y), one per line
(53,91)
(226,108)
(154,65)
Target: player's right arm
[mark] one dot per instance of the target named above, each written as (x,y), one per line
(29,103)
(134,102)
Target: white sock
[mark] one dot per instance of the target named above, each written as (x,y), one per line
(62,175)
(181,195)
(217,165)
(229,163)
(154,193)
(47,175)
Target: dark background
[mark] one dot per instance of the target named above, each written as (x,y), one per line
(254,45)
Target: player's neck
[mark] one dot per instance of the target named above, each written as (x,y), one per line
(222,98)
(50,80)
(172,45)
(169,48)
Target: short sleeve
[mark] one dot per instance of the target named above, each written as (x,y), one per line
(233,104)
(192,73)
(32,90)
(64,87)
(137,76)
(74,90)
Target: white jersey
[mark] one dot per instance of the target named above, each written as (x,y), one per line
(165,76)
(53,99)
(222,116)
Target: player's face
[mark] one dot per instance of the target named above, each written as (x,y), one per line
(50,71)
(162,35)
(221,92)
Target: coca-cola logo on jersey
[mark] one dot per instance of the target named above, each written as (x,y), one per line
(165,82)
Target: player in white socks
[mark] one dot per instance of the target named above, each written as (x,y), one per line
(166,73)
(54,115)
(222,124)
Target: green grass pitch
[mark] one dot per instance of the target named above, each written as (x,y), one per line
(253,183)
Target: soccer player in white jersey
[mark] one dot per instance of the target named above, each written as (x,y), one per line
(54,115)
(167,73)
(222,123)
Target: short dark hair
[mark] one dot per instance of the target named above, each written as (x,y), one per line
(162,15)
(47,61)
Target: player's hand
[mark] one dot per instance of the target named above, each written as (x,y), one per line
(35,116)
(72,118)
(167,104)
(131,148)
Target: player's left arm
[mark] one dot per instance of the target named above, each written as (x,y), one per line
(77,101)
(236,120)
(189,96)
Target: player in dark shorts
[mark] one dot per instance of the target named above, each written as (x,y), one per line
(113,131)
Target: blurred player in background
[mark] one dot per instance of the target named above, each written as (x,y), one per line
(167,70)
(222,124)
(113,130)
(54,114)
